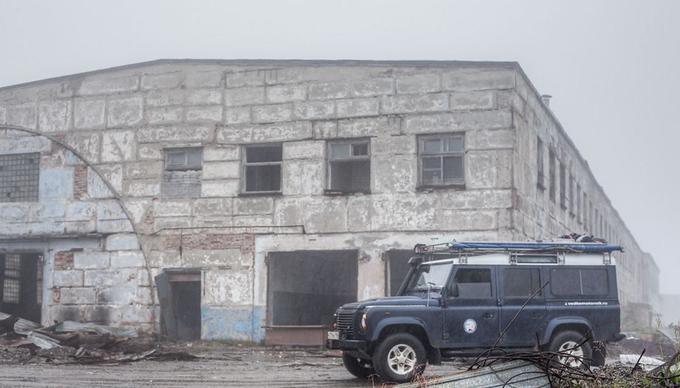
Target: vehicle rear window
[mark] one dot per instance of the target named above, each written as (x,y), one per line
(473,283)
(521,282)
(579,281)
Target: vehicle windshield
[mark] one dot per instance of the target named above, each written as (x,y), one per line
(428,277)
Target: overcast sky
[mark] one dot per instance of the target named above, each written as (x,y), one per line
(613,67)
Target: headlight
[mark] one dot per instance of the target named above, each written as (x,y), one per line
(363,324)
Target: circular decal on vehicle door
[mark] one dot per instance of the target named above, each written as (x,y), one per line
(470,326)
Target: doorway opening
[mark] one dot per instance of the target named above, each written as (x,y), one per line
(21,285)
(304,288)
(179,294)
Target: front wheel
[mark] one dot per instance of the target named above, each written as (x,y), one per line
(357,366)
(399,358)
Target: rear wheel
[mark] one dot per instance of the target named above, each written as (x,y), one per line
(572,349)
(358,367)
(399,358)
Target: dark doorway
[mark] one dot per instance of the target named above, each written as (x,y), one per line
(21,285)
(179,293)
(304,290)
(396,268)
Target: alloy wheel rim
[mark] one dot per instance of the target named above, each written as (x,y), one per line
(571,354)
(401,359)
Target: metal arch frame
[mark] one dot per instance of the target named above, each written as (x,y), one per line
(113,191)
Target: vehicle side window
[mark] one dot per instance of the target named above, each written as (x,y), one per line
(472,283)
(521,282)
(579,281)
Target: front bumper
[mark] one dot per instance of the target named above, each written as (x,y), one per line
(341,344)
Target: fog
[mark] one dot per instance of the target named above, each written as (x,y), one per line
(611,66)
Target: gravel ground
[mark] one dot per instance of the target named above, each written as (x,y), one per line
(219,365)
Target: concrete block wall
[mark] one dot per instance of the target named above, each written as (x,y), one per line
(120,120)
(537,216)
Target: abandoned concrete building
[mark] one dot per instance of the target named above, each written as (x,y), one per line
(245,200)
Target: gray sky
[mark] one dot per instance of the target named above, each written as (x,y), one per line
(613,67)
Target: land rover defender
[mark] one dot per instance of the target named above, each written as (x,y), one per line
(462,299)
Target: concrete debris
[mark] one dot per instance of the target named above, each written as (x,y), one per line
(71,342)
(647,363)
(510,374)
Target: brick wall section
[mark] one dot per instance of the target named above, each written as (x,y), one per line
(63,260)
(80,182)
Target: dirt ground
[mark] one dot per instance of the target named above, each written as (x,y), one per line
(218,365)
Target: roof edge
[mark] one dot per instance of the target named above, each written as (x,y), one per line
(272,62)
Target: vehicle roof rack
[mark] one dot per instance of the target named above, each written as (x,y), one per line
(534,247)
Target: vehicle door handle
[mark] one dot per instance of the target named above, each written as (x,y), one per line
(487,315)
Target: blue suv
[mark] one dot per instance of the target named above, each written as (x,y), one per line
(462,299)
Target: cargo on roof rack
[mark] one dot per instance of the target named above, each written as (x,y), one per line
(558,246)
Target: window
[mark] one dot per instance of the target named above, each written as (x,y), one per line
(441,159)
(572,194)
(19,175)
(521,282)
(585,211)
(262,168)
(540,167)
(182,172)
(551,172)
(563,186)
(579,281)
(349,166)
(11,287)
(578,203)
(472,283)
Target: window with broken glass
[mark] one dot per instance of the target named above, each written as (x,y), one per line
(19,174)
(262,168)
(182,172)
(349,166)
(441,160)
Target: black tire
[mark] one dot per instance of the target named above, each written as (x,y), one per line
(565,340)
(356,366)
(415,351)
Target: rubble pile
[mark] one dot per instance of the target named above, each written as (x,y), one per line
(69,342)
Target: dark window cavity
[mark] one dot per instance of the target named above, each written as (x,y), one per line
(579,281)
(563,186)
(442,160)
(262,168)
(472,283)
(182,172)
(349,166)
(521,282)
(396,268)
(551,171)
(572,189)
(579,209)
(306,287)
(19,175)
(540,166)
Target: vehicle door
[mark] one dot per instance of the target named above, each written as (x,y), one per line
(471,312)
(522,316)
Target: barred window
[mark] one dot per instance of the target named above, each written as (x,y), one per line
(11,285)
(349,166)
(19,175)
(441,159)
(182,173)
